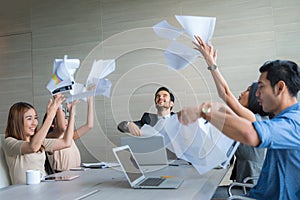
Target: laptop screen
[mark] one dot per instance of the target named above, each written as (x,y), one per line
(148,150)
(129,164)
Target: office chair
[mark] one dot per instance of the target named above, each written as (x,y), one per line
(244,185)
(4,173)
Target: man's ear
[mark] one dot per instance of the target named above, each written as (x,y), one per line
(280,87)
(171,104)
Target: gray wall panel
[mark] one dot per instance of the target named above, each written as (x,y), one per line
(35,32)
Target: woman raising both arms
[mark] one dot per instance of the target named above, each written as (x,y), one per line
(25,145)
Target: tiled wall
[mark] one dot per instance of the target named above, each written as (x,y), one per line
(35,32)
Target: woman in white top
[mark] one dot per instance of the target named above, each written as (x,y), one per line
(25,145)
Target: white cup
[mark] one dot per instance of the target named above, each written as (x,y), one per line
(33,176)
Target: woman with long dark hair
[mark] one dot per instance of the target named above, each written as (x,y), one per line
(25,145)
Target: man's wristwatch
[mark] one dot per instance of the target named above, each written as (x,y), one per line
(213,67)
(206,110)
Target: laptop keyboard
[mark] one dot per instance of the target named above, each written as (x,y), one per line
(152,182)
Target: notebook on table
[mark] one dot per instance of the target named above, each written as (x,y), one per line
(148,151)
(58,177)
(135,175)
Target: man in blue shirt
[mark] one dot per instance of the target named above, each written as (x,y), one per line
(279,84)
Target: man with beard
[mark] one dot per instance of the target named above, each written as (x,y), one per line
(164,102)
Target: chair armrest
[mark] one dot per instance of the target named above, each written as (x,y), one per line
(239,197)
(237,184)
(250,178)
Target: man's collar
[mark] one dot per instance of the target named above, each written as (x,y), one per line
(164,117)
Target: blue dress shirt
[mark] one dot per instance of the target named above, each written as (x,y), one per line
(280,175)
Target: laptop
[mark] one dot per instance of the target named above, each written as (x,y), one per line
(230,152)
(135,175)
(147,150)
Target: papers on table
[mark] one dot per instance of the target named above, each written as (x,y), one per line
(62,79)
(199,143)
(99,165)
(192,25)
(62,75)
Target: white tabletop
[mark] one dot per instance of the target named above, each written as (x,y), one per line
(111,183)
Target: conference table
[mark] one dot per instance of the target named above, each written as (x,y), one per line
(111,183)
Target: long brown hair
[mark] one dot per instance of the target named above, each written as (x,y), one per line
(15,120)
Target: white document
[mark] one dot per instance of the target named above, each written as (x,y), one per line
(100,70)
(200,143)
(201,26)
(96,83)
(148,131)
(158,129)
(165,30)
(103,87)
(62,77)
(100,165)
(179,56)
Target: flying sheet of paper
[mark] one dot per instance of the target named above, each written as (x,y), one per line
(199,143)
(148,131)
(62,77)
(201,26)
(100,70)
(103,87)
(179,56)
(165,30)
(96,83)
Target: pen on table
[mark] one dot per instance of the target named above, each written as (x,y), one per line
(167,176)
(171,164)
